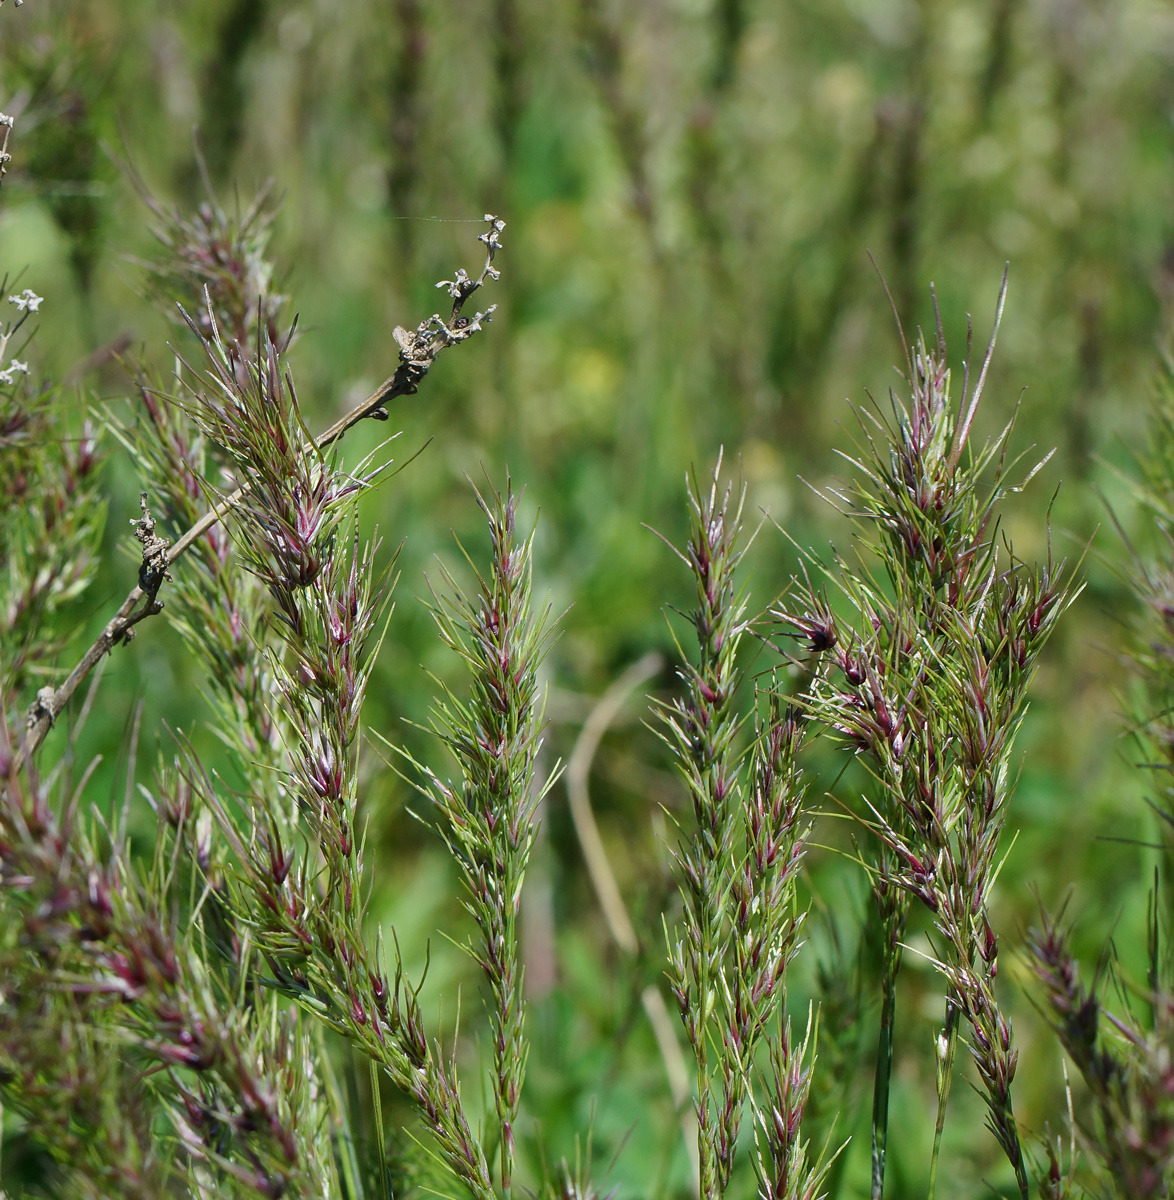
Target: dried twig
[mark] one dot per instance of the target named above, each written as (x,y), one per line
(6,127)
(418,349)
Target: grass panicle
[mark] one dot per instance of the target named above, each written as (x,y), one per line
(923,674)
(489,816)
(737,865)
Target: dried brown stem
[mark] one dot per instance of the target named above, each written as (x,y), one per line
(5,157)
(418,350)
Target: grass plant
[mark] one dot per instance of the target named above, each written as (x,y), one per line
(192,1012)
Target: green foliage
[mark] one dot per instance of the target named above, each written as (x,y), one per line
(196,995)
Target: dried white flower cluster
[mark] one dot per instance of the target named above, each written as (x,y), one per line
(15,368)
(28,301)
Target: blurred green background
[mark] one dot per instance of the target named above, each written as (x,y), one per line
(692,189)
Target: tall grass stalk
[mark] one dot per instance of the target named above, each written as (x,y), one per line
(921,669)
(737,868)
(489,816)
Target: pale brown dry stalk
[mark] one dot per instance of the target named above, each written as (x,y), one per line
(607,889)
(418,350)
